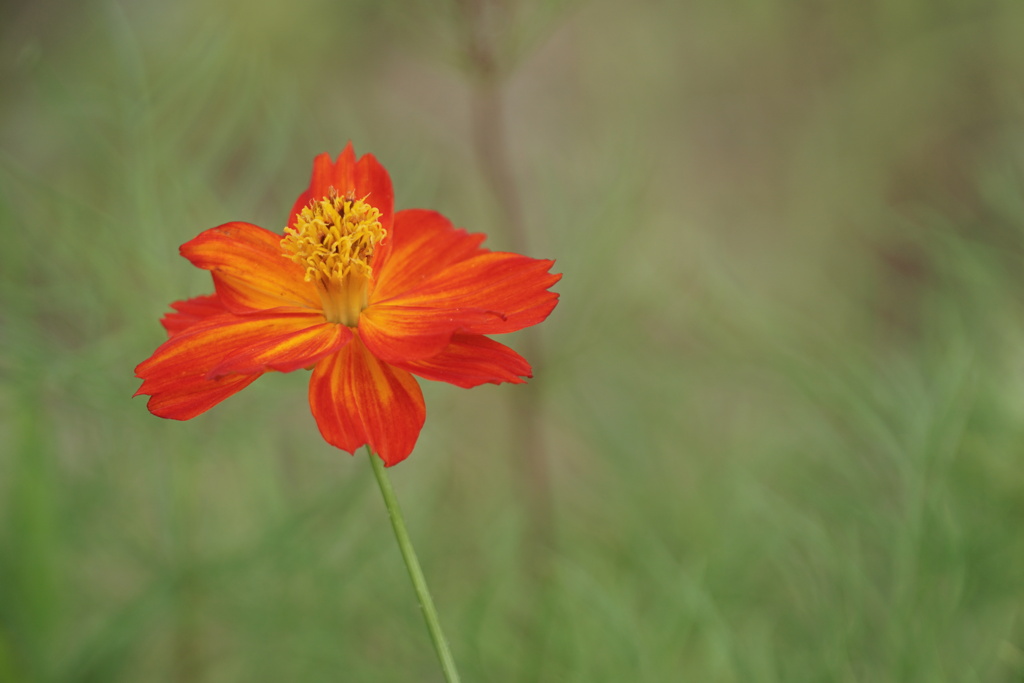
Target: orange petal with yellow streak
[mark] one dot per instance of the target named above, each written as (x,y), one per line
(511,288)
(285,348)
(196,368)
(250,271)
(357,399)
(396,333)
(421,244)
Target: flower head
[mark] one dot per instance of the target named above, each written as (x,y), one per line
(364,296)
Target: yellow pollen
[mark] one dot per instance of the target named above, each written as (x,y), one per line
(334,239)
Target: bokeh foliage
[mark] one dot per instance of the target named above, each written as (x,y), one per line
(782,397)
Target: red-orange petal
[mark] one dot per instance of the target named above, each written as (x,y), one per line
(287,351)
(191,311)
(357,399)
(250,271)
(365,179)
(422,244)
(194,395)
(194,370)
(326,175)
(512,289)
(470,360)
(514,286)
(396,333)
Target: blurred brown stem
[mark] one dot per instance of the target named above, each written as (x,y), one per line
(490,143)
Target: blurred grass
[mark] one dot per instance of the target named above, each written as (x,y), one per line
(782,393)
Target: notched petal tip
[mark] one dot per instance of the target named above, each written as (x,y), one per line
(191,311)
(364,178)
(357,399)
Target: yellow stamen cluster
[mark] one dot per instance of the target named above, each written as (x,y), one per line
(334,239)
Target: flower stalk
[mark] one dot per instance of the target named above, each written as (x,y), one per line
(419,582)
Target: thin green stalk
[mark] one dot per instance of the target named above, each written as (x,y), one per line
(419,583)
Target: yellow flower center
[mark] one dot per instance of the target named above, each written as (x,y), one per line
(334,239)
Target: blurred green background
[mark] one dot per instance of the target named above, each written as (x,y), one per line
(780,406)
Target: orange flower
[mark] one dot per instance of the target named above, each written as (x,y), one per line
(363,296)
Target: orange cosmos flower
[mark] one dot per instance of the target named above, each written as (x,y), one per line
(362,295)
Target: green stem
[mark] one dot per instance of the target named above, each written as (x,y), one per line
(444,654)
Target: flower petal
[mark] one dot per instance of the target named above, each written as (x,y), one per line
(470,360)
(194,370)
(193,395)
(422,244)
(396,333)
(365,179)
(250,271)
(286,351)
(437,280)
(510,287)
(357,399)
(191,311)
(325,176)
